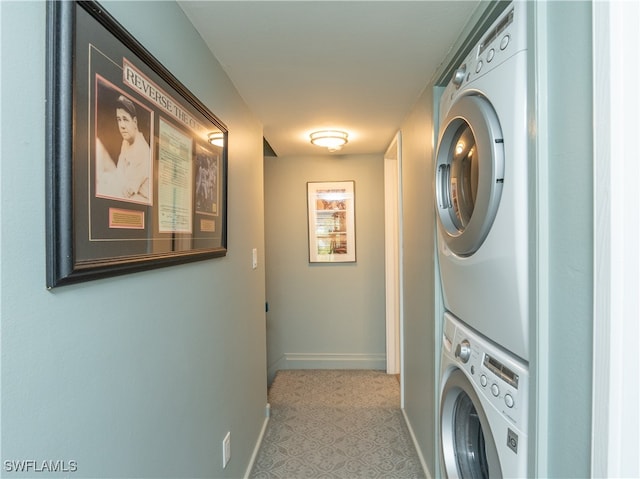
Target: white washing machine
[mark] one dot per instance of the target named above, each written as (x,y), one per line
(481,186)
(483,407)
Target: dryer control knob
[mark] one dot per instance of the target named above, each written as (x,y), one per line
(463,351)
(458,76)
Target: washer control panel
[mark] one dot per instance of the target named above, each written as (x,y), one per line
(499,376)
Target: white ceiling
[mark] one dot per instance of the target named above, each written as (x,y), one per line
(309,65)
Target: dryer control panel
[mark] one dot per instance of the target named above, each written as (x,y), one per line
(506,37)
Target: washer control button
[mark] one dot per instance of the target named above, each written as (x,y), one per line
(479,66)
(490,55)
(504,42)
(508,400)
(495,390)
(483,380)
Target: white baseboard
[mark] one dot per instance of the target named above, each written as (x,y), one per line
(415,444)
(328,361)
(258,443)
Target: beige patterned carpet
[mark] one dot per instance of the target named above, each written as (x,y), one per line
(336,424)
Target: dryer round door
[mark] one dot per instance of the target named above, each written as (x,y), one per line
(469,173)
(468,447)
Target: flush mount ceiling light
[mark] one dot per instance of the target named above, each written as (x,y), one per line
(331,139)
(216,138)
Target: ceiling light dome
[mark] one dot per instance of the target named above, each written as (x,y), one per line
(331,139)
(216,138)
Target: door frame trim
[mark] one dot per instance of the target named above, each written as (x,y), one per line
(393,254)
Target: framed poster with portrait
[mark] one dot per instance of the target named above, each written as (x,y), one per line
(331,221)
(136,164)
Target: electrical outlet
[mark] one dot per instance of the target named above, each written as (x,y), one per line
(226,450)
(254,258)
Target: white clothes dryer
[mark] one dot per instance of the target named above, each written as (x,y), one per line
(483,407)
(481,186)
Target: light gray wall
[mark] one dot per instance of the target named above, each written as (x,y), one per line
(140,375)
(569,222)
(324,315)
(419,300)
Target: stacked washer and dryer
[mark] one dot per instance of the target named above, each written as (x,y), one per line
(481,193)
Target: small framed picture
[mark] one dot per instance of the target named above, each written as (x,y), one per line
(331,221)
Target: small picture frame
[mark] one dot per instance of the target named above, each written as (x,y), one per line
(331,221)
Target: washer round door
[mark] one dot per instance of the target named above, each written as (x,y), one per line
(469,173)
(468,448)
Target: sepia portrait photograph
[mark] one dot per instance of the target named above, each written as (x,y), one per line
(123,157)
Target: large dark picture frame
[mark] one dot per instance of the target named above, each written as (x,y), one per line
(135,178)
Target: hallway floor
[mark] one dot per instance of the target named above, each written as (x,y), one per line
(336,424)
